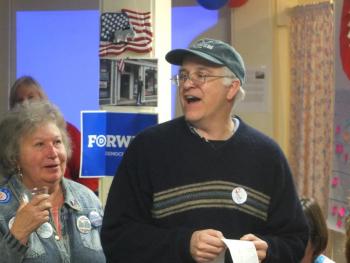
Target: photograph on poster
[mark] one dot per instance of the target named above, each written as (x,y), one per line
(128,82)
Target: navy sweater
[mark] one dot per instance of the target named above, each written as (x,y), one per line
(171,182)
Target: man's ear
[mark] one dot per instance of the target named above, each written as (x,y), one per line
(233,89)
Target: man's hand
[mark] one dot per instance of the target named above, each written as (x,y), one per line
(260,245)
(206,245)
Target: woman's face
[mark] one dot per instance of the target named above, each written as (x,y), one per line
(42,156)
(30,92)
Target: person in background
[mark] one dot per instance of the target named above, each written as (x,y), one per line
(318,232)
(347,239)
(139,91)
(185,184)
(347,249)
(27,88)
(61,224)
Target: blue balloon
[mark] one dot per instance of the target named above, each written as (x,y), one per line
(212,4)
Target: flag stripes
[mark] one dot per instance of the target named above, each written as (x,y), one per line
(125,31)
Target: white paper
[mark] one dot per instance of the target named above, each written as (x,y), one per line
(257,90)
(241,252)
(220,258)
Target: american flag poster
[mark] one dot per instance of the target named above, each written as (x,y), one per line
(125,31)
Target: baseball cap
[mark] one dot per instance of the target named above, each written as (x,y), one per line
(214,51)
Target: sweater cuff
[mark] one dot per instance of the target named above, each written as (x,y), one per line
(268,251)
(14,245)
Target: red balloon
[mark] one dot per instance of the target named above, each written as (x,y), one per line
(344,41)
(237,3)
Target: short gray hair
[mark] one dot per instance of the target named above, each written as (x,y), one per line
(22,120)
(227,81)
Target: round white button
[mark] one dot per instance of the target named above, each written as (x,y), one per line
(239,195)
(45,230)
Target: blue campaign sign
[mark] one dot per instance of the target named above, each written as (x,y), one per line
(105,137)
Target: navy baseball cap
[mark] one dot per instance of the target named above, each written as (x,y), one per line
(214,51)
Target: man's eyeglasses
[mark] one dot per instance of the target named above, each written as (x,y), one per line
(197,78)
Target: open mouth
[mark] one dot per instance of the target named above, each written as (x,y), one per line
(51,166)
(191,99)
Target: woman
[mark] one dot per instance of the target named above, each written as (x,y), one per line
(27,88)
(61,226)
(318,233)
(347,238)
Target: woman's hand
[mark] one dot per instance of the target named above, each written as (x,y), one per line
(30,216)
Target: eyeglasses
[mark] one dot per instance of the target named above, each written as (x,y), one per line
(197,78)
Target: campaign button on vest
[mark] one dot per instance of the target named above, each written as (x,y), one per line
(11,222)
(45,230)
(95,218)
(5,195)
(83,224)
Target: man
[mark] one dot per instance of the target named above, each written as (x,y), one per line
(185,184)
(139,91)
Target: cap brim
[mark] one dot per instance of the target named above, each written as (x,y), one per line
(177,56)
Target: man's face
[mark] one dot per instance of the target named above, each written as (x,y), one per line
(206,102)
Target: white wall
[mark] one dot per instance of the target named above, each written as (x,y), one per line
(252,35)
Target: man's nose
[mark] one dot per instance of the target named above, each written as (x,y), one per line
(188,83)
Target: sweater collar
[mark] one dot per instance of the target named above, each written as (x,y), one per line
(193,130)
